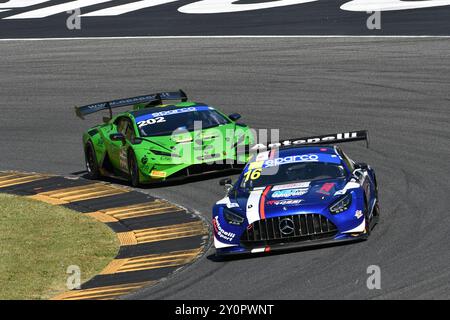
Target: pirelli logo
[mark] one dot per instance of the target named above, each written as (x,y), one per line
(323,139)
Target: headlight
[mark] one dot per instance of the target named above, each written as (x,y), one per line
(232,218)
(342,204)
(161,153)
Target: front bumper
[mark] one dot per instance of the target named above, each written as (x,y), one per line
(175,173)
(244,250)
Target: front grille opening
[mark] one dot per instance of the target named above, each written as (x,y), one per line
(300,227)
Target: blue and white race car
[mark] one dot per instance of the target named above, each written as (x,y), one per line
(299,193)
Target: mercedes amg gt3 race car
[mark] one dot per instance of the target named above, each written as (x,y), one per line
(297,194)
(156,141)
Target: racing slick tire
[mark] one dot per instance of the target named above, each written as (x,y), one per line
(92,168)
(376,215)
(133,169)
(368,228)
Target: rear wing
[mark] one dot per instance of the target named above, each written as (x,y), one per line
(316,140)
(152,100)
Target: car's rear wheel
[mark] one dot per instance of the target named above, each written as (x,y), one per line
(133,169)
(91,162)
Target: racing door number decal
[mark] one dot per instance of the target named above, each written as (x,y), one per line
(151,121)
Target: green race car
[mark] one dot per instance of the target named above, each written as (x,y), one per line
(156,141)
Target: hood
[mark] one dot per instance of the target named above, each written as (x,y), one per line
(207,144)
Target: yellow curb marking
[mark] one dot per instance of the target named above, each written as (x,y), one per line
(100,216)
(139,210)
(152,261)
(127,238)
(147,262)
(101,293)
(12,179)
(175,231)
(79,193)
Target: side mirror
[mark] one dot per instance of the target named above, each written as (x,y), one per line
(234,116)
(361,165)
(357,174)
(117,137)
(227,184)
(224,182)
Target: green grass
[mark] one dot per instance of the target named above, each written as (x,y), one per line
(39,241)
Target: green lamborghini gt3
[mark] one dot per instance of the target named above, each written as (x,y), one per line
(156,141)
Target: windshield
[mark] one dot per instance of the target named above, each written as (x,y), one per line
(166,122)
(293,172)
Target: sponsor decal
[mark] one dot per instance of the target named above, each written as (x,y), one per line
(177,111)
(326,188)
(291,186)
(255,165)
(182,140)
(291,159)
(158,117)
(358,214)
(332,138)
(123,159)
(159,174)
(289,193)
(221,233)
(287,202)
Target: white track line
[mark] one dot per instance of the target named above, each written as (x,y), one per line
(231,37)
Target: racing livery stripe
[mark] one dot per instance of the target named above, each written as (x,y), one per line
(262,202)
(253,205)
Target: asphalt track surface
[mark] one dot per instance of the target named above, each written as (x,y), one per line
(395,88)
(319,17)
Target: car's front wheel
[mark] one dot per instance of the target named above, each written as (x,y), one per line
(91,161)
(133,169)
(367,229)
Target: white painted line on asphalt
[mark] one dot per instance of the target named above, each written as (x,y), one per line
(227,6)
(391,5)
(230,37)
(126,8)
(52,10)
(20,3)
